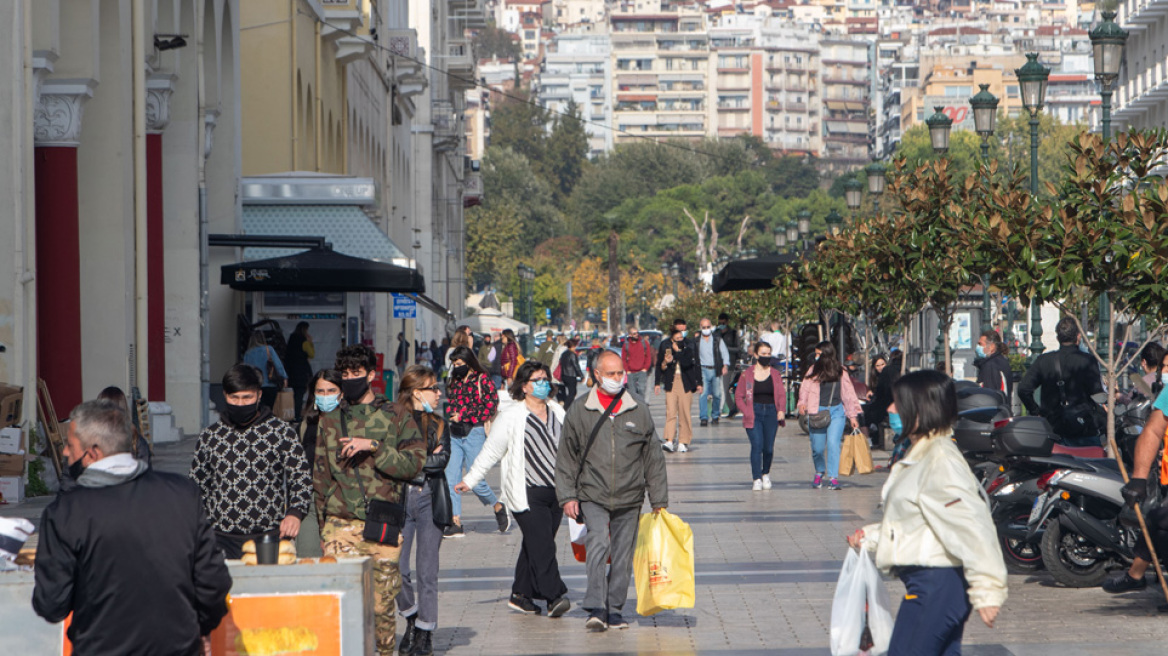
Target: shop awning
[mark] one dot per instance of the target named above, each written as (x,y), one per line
(755,273)
(346,227)
(321,270)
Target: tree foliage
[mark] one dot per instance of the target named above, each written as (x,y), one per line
(492,41)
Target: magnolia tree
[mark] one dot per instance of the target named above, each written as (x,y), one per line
(1103,235)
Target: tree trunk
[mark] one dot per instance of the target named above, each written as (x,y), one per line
(613,284)
(904,348)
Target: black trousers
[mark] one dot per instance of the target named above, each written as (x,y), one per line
(232,543)
(1157,522)
(537,574)
(569,393)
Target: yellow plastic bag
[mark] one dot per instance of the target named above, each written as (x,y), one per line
(663,563)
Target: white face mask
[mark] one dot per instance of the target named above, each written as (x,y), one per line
(612,387)
(707,331)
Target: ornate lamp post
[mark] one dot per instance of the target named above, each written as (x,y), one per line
(1032,78)
(675,271)
(781,238)
(804,219)
(939,127)
(835,220)
(792,234)
(985,116)
(1107,43)
(876,182)
(853,194)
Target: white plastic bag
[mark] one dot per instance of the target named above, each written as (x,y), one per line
(880,620)
(860,591)
(847,608)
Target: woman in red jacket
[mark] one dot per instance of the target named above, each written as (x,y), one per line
(758,397)
(510,356)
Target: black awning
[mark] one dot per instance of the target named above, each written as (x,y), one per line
(756,273)
(320,270)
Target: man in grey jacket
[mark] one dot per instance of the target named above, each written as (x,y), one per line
(604,484)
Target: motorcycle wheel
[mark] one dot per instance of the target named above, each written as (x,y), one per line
(1071,559)
(1021,557)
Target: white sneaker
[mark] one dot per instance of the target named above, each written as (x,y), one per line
(766,481)
(757,485)
(668,446)
(681,448)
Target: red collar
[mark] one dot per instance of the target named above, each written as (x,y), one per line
(605,399)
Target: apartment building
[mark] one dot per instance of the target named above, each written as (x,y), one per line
(847,93)
(793,88)
(1141,96)
(577,69)
(661,74)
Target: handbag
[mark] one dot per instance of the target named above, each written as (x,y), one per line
(383,519)
(440,504)
(822,419)
(1084,419)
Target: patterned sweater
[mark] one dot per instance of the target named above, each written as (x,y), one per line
(250,479)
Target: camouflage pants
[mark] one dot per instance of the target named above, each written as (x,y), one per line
(342,538)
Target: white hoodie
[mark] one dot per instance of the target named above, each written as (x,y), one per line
(934,516)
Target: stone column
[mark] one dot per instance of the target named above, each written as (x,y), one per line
(158,92)
(56,131)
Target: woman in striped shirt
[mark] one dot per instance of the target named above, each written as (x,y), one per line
(525,438)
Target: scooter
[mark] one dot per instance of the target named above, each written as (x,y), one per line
(978,409)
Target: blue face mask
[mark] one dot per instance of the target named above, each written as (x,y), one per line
(327,402)
(426,407)
(1164,379)
(894,423)
(980,351)
(541,389)
(1083,347)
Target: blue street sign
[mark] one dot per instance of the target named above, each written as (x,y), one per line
(404,307)
(547,312)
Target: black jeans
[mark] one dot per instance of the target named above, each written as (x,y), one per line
(537,573)
(1157,522)
(569,393)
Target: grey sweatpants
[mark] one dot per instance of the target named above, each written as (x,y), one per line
(609,534)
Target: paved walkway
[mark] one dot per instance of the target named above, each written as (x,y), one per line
(766,569)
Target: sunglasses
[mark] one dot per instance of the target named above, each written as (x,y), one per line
(429,389)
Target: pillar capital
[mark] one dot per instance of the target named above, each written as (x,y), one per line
(57,117)
(159,88)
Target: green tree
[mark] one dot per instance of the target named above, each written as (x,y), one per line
(916,147)
(494,42)
(521,125)
(510,178)
(491,234)
(567,153)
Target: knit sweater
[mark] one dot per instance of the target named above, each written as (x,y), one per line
(251,478)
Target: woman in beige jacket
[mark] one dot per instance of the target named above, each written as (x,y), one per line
(936,535)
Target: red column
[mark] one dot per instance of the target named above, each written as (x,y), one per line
(58,271)
(155,270)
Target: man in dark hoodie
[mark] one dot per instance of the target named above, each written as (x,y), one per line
(251,468)
(90,556)
(994,368)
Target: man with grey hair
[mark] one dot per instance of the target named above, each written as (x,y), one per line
(128,550)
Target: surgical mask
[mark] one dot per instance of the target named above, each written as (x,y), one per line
(355,389)
(764,360)
(541,389)
(894,423)
(327,402)
(612,387)
(241,415)
(426,407)
(1083,347)
(684,333)
(707,331)
(459,371)
(1164,379)
(980,351)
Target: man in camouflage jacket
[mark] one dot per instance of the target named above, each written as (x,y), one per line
(364,450)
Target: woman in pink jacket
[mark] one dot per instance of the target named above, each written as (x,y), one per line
(828,387)
(759,397)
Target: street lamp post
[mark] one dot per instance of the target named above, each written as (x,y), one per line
(853,194)
(835,221)
(804,223)
(985,118)
(939,127)
(1107,43)
(781,239)
(526,278)
(792,235)
(1032,78)
(876,182)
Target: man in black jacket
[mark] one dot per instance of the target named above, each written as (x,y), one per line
(994,371)
(1079,373)
(128,550)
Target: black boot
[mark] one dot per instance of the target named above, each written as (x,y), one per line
(409,638)
(422,643)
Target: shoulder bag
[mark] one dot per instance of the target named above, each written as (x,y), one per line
(1083,419)
(383,519)
(588,446)
(822,419)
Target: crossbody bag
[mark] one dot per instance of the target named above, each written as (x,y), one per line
(383,519)
(588,446)
(822,419)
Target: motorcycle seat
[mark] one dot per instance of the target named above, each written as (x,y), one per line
(1079,451)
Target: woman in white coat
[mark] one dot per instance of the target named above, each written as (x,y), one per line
(937,535)
(525,437)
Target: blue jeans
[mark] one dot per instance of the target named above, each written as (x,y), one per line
(831,437)
(711,386)
(762,439)
(932,618)
(463,451)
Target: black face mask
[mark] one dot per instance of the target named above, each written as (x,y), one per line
(242,415)
(460,371)
(354,389)
(76,469)
(764,360)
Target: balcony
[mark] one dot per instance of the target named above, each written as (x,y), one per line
(447,125)
(729,107)
(460,63)
(795,107)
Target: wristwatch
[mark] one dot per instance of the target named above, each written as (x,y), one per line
(374,445)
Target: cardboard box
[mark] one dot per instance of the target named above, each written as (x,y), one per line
(10,404)
(11,440)
(12,489)
(12,464)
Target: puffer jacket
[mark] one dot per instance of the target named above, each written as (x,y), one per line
(625,459)
(505,444)
(934,516)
